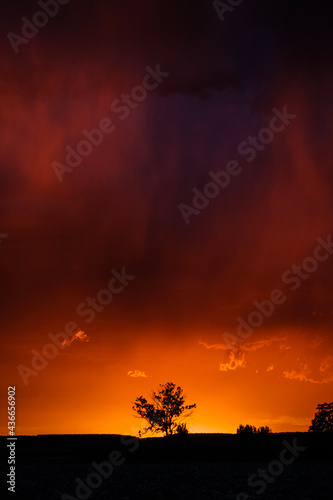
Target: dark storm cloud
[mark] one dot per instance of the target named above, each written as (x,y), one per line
(120,207)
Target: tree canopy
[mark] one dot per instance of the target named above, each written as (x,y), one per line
(166,410)
(323,420)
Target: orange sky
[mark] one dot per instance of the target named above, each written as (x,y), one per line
(87,388)
(119,209)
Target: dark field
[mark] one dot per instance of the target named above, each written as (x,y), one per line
(196,467)
(176,481)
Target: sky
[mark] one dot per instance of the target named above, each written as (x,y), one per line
(199,200)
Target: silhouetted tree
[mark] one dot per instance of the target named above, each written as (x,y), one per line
(251,429)
(323,420)
(166,410)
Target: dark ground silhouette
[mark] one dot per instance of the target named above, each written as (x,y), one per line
(195,466)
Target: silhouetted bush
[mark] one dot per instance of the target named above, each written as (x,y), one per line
(251,429)
(182,430)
